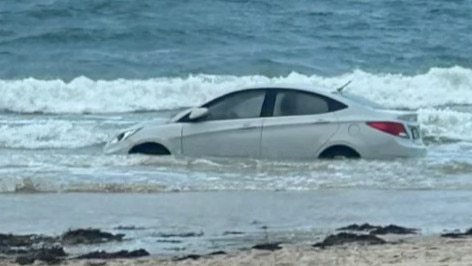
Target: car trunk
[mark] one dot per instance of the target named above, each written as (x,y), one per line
(409,119)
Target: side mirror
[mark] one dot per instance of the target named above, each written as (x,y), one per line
(198,113)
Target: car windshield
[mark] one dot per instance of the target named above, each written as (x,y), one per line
(360,100)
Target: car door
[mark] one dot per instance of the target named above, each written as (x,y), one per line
(300,124)
(232,127)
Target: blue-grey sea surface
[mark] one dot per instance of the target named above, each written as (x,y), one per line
(74,73)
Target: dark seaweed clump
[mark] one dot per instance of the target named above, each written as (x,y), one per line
(348,238)
(89,236)
(459,234)
(27,249)
(379,230)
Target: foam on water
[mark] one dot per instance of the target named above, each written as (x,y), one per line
(438,115)
(438,125)
(445,124)
(50,134)
(100,173)
(437,87)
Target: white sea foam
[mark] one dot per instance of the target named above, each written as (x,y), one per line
(437,125)
(439,86)
(425,92)
(74,173)
(50,134)
(446,124)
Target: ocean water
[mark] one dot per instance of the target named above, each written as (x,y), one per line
(73,73)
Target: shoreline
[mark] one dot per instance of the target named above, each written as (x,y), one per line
(414,250)
(398,250)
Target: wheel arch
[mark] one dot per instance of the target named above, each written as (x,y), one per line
(339,147)
(150,148)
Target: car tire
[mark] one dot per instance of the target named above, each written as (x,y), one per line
(339,152)
(149,149)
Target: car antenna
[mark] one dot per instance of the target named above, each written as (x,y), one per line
(340,89)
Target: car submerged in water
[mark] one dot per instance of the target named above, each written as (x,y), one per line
(282,122)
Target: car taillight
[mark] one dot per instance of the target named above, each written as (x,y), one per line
(393,128)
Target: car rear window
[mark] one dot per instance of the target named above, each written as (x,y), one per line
(290,103)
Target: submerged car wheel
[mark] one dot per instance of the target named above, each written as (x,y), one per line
(339,152)
(150,149)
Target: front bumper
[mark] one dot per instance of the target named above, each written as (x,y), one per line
(116,147)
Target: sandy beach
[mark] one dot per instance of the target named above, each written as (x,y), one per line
(92,90)
(407,251)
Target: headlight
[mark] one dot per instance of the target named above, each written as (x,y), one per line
(124,135)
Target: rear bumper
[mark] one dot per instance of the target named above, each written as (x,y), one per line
(395,147)
(405,148)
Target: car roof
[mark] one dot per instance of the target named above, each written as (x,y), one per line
(330,93)
(288,86)
(309,88)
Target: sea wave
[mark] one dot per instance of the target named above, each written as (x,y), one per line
(437,87)
(437,126)
(438,96)
(164,176)
(445,125)
(51,134)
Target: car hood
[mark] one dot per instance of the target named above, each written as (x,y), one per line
(157,122)
(146,124)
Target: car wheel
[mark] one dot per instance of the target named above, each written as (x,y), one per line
(150,149)
(339,153)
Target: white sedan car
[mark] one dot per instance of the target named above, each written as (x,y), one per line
(279,122)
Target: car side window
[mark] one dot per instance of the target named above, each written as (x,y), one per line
(290,103)
(247,104)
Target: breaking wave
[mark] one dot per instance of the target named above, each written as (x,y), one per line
(442,97)
(439,125)
(437,87)
(445,125)
(51,134)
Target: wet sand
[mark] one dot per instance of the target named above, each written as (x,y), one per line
(408,251)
